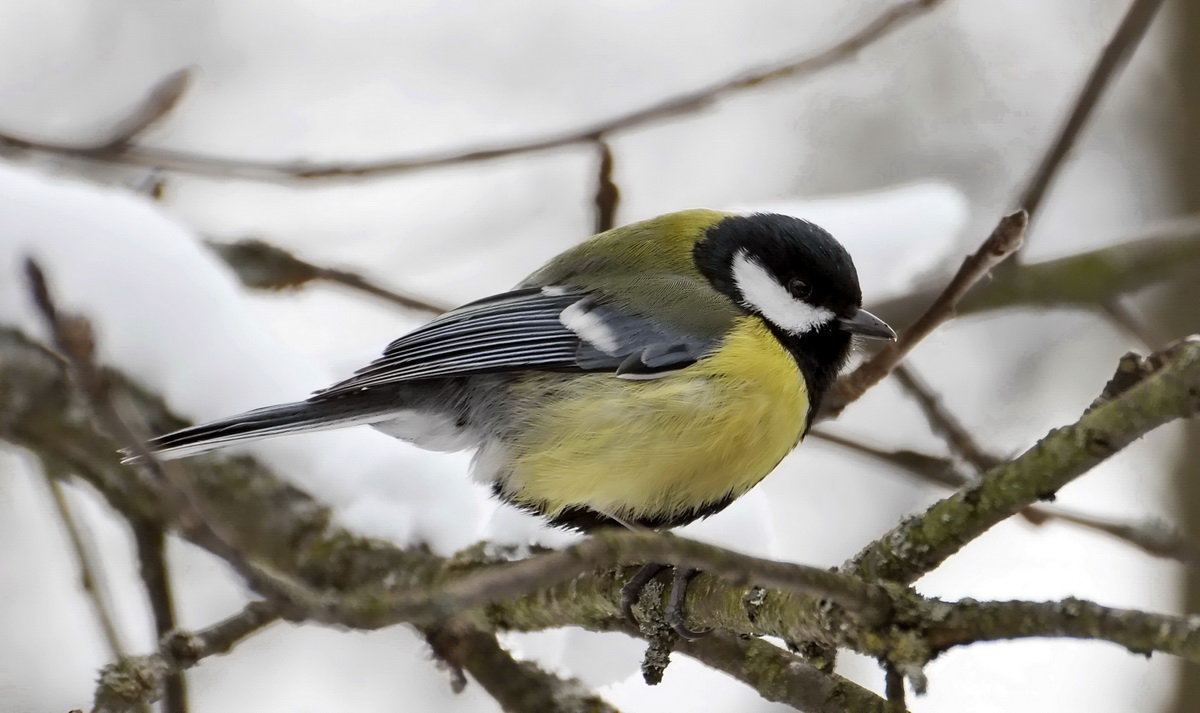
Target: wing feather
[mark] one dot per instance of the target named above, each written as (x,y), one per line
(526,329)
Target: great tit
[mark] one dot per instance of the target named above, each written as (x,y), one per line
(646,377)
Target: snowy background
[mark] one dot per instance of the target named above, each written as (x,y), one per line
(908,154)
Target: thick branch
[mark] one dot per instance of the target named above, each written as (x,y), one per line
(606,550)
(889,20)
(921,543)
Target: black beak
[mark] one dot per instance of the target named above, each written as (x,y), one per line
(865,324)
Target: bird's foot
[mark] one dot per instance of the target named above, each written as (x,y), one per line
(675,616)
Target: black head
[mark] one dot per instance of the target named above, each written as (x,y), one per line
(799,279)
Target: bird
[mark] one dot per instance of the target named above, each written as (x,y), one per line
(645,378)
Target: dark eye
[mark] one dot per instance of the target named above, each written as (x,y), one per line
(799,289)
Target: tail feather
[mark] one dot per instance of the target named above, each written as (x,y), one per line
(301,416)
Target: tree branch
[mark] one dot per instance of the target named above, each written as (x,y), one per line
(518,686)
(151,544)
(1003,241)
(260,265)
(158,102)
(1170,391)
(1087,279)
(886,22)
(1138,631)
(1153,537)
(136,680)
(90,577)
(943,423)
(294,535)
(1125,39)
(608,194)
(608,549)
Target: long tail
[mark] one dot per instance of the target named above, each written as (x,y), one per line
(266,422)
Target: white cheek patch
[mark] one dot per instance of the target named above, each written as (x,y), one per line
(589,327)
(762,293)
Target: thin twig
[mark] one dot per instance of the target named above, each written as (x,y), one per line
(90,576)
(943,423)
(260,265)
(1119,314)
(926,467)
(151,544)
(137,680)
(1003,241)
(158,102)
(1084,279)
(608,194)
(886,22)
(1125,39)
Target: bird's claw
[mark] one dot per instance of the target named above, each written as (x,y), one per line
(675,616)
(633,588)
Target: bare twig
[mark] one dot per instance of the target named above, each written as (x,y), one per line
(926,467)
(261,265)
(1119,314)
(159,101)
(1125,39)
(608,194)
(1085,279)
(1153,537)
(1003,241)
(886,22)
(90,577)
(151,544)
(136,680)
(943,423)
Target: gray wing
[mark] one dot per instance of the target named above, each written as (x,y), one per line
(537,328)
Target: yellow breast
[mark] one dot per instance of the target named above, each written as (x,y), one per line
(662,447)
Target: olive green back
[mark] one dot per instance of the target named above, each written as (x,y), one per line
(647,268)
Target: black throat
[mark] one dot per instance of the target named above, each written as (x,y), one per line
(820,354)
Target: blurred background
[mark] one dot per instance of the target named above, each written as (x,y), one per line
(909,151)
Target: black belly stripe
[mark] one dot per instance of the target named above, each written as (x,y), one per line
(585,519)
